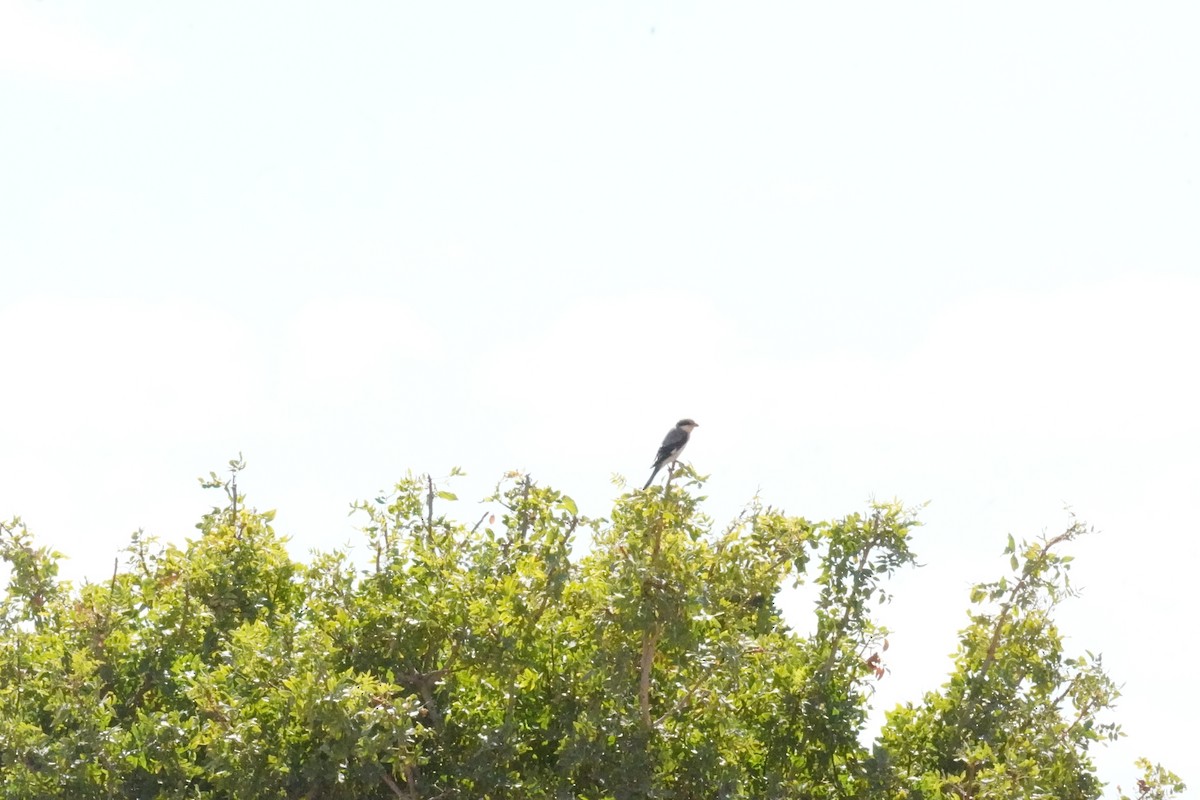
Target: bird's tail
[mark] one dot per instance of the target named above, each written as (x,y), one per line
(652,476)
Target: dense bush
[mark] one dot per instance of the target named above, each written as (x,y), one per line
(492,661)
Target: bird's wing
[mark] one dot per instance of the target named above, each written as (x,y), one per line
(674,440)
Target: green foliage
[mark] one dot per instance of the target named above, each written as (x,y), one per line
(1156,783)
(497,661)
(1017,717)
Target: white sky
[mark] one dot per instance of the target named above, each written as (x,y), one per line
(936,251)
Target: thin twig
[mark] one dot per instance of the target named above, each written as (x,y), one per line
(429,505)
(684,701)
(526,518)
(1070,685)
(855,589)
(112,590)
(237,532)
(1002,620)
(649,645)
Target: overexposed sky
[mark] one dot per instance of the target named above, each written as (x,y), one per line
(942,252)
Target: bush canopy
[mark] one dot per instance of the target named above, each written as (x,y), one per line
(494,661)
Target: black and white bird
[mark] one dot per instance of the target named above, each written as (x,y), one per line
(673,444)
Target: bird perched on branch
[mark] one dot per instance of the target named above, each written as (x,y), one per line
(673,444)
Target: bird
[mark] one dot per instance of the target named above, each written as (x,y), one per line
(673,444)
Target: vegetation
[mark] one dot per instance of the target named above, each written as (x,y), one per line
(493,661)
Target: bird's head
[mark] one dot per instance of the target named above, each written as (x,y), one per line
(687,424)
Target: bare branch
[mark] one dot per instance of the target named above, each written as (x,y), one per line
(391,784)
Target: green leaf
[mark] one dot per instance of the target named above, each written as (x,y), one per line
(447,495)
(569,505)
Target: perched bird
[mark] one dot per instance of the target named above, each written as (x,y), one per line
(673,444)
